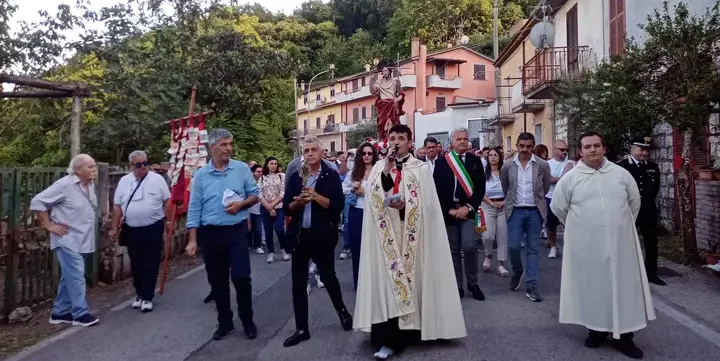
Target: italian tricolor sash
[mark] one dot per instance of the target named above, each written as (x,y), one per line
(462,175)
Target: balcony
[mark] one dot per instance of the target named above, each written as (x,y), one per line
(500,115)
(549,66)
(520,104)
(406,81)
(436,82)
(331,128)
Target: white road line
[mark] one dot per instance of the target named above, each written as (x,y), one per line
(191,272)
(703,331)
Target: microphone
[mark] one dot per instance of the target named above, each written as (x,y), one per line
(394,152)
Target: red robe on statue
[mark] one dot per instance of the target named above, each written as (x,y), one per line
(388,114)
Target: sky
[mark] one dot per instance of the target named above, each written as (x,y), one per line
(28,9)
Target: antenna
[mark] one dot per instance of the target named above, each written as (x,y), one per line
(542,35)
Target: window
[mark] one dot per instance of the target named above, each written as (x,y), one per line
(332,147)
(331,118)
(373,111)
(479,72)
(617,27)
(332,91)
(355,85)
(356,115)
(442,138)
(364,112)
(317,122)
(304,98)
(439,104)
(305,124)
(317,95)
(538,134)
(508,144)
(440,71)
(573,52)
(363,81)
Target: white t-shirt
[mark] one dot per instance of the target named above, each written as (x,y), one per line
(146,207)
(556,169)
(256,208)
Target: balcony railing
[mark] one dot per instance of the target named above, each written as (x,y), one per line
(331,128)
(435,81)
(520,104)
(551,65)
(502,114)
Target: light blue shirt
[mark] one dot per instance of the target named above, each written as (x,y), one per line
(307,214)
(206,195)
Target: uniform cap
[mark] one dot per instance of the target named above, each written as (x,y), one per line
(643,142)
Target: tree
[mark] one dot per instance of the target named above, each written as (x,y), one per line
(609,101)
(361,132)
(8,51)
(371,15)
(315,11)
(683,58)
(349,55)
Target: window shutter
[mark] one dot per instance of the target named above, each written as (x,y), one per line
(699,156)
(617,27)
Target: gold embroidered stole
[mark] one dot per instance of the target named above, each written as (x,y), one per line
(399,254)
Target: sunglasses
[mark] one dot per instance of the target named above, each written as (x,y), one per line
(140,165)
(562,149)
(367,153)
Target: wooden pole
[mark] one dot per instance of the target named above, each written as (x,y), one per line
(76,120)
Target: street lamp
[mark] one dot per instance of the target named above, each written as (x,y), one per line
(330,69)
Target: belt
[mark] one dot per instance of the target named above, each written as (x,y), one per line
(497,199)
(526,208)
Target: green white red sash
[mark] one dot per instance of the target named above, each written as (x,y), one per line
(463,177)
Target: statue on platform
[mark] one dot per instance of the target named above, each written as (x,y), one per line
(389,101)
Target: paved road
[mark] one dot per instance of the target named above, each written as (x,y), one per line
(505,327)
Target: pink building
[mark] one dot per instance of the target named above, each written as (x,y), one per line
(432,83)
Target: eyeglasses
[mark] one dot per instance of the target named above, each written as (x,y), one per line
(141,164)
(562,149)
(367,153)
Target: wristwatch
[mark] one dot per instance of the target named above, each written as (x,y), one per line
(469,207)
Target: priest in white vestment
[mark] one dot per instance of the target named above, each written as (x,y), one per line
(604,286)
(406,278)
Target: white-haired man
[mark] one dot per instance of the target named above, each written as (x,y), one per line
(141,203)
(71,226)
(222,191)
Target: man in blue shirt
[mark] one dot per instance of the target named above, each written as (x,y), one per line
(222,191)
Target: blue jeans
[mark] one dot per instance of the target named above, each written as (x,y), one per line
(355,223)
(256,222)
(278,223)
(346,227)
(525,223)
(71,288)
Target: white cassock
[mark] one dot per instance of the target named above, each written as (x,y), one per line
(604,286)
(405,267)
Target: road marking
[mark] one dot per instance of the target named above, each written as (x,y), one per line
(191,272)
(703,331)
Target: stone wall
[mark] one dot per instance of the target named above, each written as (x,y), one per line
(707,210)
(662,154)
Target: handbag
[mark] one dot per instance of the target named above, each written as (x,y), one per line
(121,239)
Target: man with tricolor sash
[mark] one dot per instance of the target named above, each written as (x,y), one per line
(460,182)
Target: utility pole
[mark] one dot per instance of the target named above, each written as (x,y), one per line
(496,54)
(75,121)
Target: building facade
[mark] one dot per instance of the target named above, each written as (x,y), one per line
(433,84)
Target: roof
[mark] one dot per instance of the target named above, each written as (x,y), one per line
(446,60)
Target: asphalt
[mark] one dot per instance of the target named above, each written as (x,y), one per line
(504,327)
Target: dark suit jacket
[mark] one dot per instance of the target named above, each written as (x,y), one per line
(324,222)
(647,178)
(445,184)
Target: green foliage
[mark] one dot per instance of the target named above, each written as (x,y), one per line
(371,15)
(315,11)
(361,132)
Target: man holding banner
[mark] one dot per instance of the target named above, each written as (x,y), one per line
(460,182)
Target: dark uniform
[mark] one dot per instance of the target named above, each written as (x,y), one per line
(647,177)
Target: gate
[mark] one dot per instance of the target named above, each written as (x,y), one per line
(29,271)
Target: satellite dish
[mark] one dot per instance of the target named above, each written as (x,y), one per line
(542,34)
(464,40)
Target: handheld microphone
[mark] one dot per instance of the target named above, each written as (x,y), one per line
(394,152)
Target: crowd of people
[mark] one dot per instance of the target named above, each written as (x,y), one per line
(408,273)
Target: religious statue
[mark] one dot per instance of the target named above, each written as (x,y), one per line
(389,101)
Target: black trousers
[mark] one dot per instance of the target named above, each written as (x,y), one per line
(648,229)
(145,245)
(323,255)
(225,251)
(389,334)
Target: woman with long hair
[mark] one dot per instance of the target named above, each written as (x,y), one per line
(354,185)
(542,151)
(271,195)
(493,207)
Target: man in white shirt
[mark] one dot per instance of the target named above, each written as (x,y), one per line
(525,180)
(559,165)
(431,151)
(141,203)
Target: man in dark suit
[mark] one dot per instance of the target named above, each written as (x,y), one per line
(314,201)
(647,177)
(460,182)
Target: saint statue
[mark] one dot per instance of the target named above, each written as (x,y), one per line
(389,99)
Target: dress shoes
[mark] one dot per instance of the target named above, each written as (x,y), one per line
(296,338)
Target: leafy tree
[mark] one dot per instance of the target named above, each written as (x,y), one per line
(349,55)
(315,11)
(682,54)
(371,15)
(8,52)
(361,132)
